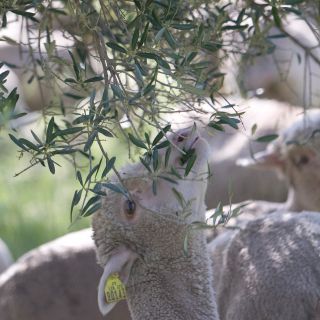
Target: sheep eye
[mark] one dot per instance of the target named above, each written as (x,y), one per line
(303,160)
(130,208)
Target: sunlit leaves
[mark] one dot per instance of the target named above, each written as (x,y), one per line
(90,140)
(267,138)
(26,14)
(109,165)
(75,65)
(116,47)
(115,188)
(160,135)
(151,56)
(137,141)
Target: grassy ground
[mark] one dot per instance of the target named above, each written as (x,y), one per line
(35,206)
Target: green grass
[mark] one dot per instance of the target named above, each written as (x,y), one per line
(35,206)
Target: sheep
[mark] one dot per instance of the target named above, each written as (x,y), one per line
(58,280)
(227,177)
(67,269)
(295,157)
(269,269)
(5,257)
(81,254)
(271,258)
(36,94)
(140,236)
(289,73)
(287,68)
(13,82)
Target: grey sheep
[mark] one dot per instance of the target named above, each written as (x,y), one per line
(140,236)
(65,268)
(270,269)
(295,156)
(288,72)
(57,281)
(281,74)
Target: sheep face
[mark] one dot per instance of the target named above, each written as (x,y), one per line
(142,225)
(296,156)
(302,169)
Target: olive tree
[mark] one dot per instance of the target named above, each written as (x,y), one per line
(114,69)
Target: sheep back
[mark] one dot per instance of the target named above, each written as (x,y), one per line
(58,280)
(270,269)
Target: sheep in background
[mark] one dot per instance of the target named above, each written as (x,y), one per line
(22,106)
(290,73)
(36,94)
(5,257)
(295,155)
(270,269)
(58,280)
(267,268)
(140,236)
(227,147)
(244,183)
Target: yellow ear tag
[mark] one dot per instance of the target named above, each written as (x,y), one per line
(114,289)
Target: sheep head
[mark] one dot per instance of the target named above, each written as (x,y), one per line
(142,225)
(296,156)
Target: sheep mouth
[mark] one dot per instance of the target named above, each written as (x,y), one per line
(119,265)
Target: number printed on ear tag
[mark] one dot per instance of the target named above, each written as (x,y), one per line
(114,289)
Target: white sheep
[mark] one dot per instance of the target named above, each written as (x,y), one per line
(289,73)
(140,236)
(269,269)
(5,257)
(295,155)
(12,82)
(35,94)
(227,147)
(58,280)
(65,267)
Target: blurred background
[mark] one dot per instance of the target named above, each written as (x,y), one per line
(34,206)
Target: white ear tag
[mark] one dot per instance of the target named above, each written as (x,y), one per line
(114,289)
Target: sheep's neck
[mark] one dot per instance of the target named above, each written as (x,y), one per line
(292,204)
(172,290)
(295,203)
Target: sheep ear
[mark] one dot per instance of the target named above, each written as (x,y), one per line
(263,160)
(120,262)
